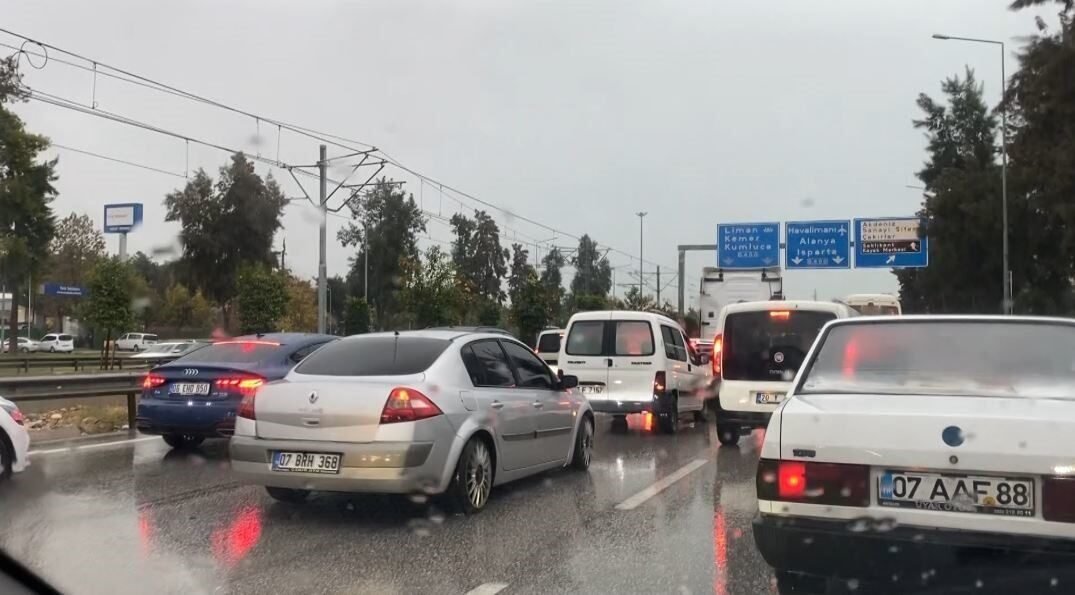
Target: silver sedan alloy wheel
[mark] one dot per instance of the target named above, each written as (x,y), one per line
(479,475)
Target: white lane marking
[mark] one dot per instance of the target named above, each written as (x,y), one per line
(89,446)
(661,485)
(487,589)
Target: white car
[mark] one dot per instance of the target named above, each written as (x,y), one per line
(135,341)
(168,350)
(633,362)
(757,350)
(14,440)
(25,345)
(57,343)
(911,445)
(548,346)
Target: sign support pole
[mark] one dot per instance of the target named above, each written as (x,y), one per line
(123,246)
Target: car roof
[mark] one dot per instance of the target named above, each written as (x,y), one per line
(985,318)
(621,315)
(470,329)
(551,330)
(286,339)
(445,333)
(807,305)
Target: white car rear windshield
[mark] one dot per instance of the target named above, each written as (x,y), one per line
(1001,358)
(374,356)
(768,345)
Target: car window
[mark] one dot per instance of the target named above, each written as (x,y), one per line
(932,358)
(769,345)
(300,354)
(237,352)
(586,337)
(123,338)
(372,355)
(694,355)
(530,370)
(486,364)
(633,338)
(48,338)
(66,337)
(549,343)
(673,344)
(149,337)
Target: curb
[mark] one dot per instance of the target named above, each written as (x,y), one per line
(83,438)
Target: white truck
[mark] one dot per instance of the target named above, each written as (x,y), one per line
(721,287)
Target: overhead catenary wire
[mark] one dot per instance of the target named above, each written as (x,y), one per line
(117,160)
(101,68)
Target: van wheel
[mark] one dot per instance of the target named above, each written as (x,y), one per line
(669,421)
(7,457)
(728,434)
(619,423)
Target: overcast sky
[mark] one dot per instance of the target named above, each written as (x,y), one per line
(573,113)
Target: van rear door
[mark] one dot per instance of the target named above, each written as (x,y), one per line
(583,354)
(633,353)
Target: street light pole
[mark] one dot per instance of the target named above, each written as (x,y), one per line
(1006,273)
(641,277)
(322,282)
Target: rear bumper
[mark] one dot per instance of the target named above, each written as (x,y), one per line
(372,467)
(622,407)
(829,548)
(751,419)
(179,416)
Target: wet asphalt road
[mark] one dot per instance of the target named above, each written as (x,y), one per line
(137,518)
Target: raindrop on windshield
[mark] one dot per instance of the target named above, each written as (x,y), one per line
(419,498)
(859,525)
(852,584)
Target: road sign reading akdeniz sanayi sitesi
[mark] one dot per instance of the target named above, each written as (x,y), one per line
(748,245)
(895,242)
(818,245)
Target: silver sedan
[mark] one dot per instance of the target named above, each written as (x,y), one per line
(451,412)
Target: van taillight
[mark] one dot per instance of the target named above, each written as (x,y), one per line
(814,483)
(718,353)
(1058,499)
(659,384)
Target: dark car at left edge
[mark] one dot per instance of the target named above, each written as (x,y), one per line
(196,396)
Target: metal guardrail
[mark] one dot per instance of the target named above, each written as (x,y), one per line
(77,363)
(76,386)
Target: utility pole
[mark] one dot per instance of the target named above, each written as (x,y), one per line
(658,286)
(322,281)
(366,262)
(641,274)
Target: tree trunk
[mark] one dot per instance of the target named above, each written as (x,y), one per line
(13,322)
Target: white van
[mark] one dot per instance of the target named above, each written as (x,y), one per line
(632,362)
(56,343)
(135,341)
(758,349)
(874,304)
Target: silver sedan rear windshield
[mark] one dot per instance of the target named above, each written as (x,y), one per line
(986,358)
(384,355)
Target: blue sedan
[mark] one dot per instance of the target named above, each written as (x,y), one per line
(196,396)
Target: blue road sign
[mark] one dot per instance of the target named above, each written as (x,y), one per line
(122,218)
(63,290)
(895,242)
(817,245)
(748,245)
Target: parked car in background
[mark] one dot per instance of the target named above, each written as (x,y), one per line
(14,440)
(135,341)
(169,349)
(196,396)
(56,343)
(548,346)
(25,345)
(440,411)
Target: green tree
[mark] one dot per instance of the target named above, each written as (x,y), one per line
(1041,147)
(225,226)
(301,312)
(356,318)
(177,307)
(478,257)
(262,299)
(589,303)
(634,300)
(338,294)
(393,221)
(529,299)
(962,206)
(201,311)
(27,224)
(593,274)
(552,281)
(430,292)
(108,307)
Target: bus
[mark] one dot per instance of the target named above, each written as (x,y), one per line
(874,304)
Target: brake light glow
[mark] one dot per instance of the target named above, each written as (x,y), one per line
(244,385)
(17,416)
(659,383)
(715,359)
(779,314)
(152,381)
(814,483)
(407,404)
(250,342)
(1058,499)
